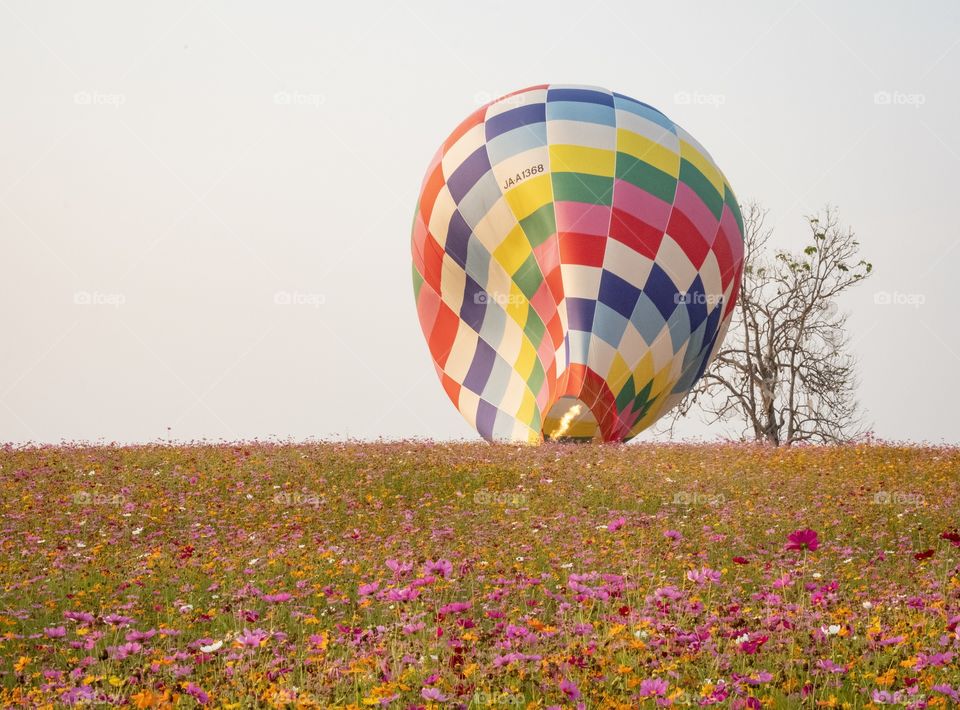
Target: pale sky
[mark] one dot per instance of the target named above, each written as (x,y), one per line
(167,169)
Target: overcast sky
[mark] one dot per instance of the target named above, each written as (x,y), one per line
(167,169)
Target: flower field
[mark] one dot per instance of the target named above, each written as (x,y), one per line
(415,574)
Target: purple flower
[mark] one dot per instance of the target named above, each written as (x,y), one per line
(55,632)
(616,524)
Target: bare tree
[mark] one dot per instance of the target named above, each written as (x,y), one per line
(783,372)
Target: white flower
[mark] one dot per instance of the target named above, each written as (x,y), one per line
(212,647)
(817,575)
(742,639)
(137,531)
(831,630)
(868,605)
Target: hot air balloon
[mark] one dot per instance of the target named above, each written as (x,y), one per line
(576,260)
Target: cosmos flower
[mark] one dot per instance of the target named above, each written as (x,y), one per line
(805,539)
(570,689)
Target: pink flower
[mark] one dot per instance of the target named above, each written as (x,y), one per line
(406,594)
(399,568)
(704,575)
(616,524)
(674,535)
(196,693)
(55,632)
(752,644)
(253,639)
(141,635)
(124,650)
(829,666)
(432,694)
(570,689)
(454,608)
(805,539)
(440,567)
(365,590)
(277,598)
(653,686)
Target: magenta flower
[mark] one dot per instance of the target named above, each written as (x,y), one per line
(805,539)
(55,632)
(570,689)
(674,535)
(616,524)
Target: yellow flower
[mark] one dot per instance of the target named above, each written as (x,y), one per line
(21,664)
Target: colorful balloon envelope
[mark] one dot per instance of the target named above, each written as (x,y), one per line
(576,260)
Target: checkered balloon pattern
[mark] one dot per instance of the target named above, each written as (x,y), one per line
(576,261)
